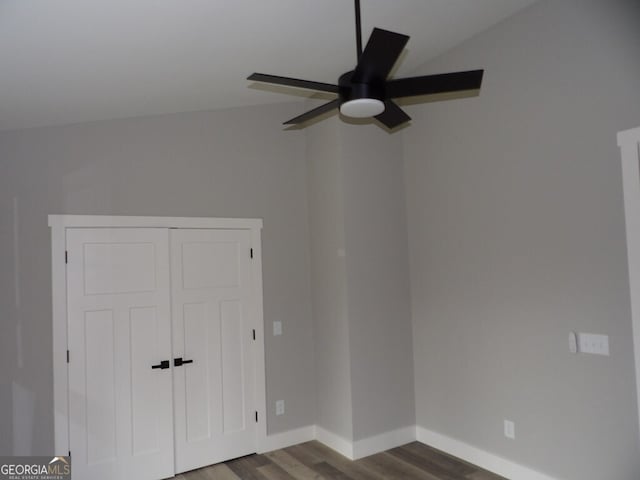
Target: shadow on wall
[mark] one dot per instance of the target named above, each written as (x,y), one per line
(18,403)
(6,424)
(23,416)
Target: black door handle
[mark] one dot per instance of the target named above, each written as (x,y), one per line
(164,364)
(178,362)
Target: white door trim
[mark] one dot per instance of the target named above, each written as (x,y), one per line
(59,224)
(629,143)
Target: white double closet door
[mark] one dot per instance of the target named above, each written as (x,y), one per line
(161,370)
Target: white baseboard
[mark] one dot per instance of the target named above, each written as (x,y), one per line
(476,456)
(385,441)
(287,439)
(335,442)
(382,442)
(366,446)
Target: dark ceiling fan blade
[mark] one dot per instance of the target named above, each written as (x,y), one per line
(379,56)
(316,112)
(293,82)
(433,84)
(393,116)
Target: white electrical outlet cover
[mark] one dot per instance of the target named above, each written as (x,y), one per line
(277,328)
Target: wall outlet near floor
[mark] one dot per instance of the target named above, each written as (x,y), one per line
(277,328)
(510,429)
(279,407)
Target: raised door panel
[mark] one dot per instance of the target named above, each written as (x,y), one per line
(199,379)
(99,398)
(232,331)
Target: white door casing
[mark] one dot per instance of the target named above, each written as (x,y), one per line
(61,226)
(213,331)
(629,143)
(120,423)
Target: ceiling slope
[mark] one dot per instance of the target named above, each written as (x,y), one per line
(71,61)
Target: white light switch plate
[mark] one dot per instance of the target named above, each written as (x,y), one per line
(595,344)
(277,328)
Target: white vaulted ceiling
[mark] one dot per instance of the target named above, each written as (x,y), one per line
(69,61)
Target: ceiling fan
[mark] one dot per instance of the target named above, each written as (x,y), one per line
(366,92)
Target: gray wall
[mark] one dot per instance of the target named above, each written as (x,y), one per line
(329,279)
(360,278)
(377,280)
(235,163)
(516,232)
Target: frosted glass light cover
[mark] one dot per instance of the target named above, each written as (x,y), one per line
(362,108)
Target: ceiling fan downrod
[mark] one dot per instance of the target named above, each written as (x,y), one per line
(358,29)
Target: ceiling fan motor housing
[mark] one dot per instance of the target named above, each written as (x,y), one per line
(354,91)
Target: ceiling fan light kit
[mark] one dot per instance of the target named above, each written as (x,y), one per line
(366,92)
(362,108)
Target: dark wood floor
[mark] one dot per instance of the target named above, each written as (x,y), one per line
(313,460)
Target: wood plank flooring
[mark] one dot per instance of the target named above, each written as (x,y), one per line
(314,461)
